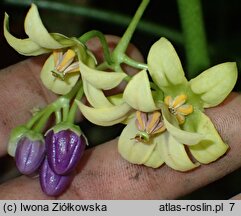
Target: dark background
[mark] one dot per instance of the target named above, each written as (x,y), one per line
(222,21)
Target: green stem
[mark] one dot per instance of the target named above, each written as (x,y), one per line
(133,63)
(121,47)
(65,112)
(73,109)
(41,123)
(103,66)
(58,117)
(194,36)
(104,16)
(35,117)
(94,33)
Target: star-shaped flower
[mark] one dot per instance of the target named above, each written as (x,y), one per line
(181,104)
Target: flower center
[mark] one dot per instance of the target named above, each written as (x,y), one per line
(178,107)
(148,124)
(64,63)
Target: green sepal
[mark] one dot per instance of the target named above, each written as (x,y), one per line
(105,116)
(116,99)
(214,84)
(174,153)
(164,64)
(138,93)
(19,132)
(95,96)
(26,46)
(66,126)
(16,134)
(206,151)
(155,160)
(36,31)
(101,79)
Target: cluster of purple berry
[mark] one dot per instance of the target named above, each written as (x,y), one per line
(53,157)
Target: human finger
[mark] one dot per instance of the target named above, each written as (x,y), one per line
(103,174)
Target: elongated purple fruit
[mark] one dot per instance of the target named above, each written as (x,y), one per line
(64,149)
(51,183)
(29,155)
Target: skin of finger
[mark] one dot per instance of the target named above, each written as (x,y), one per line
(103,174)
(21,91)
(236,197)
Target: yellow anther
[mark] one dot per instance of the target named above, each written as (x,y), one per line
(168,100)
(57,56)
(180,118)
(185,109)
(147,125)
(178,107)
(67,60)
(179,100)
(153,120)
(141,120)
(160,130)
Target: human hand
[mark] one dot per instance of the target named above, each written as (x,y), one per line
(102,173)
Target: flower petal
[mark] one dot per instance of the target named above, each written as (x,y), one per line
(95,96)
(55,84)
(155,160)
(173,153)
(207,150)
(182,136)
(164,64)
(101,79)
(132,150)
(214,84)
(23,46)
(138,93)
(105,116)
(36,31)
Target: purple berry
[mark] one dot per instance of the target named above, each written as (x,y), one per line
(29,155)
(51,183)
(64,150)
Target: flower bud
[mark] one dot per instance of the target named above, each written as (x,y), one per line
(30,153)
(65,146)
(51,183)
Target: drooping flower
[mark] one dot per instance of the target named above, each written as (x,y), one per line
(182,104)
(30,153)
(65,146)
(61,70)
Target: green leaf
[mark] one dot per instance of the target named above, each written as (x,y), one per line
(36,31)
(164,64)
(138,93)
(105,116)
(182,136)
(101,79)
(56,84)
(210,150)
(173,153)
(23,46)
(214,84)
(131,150)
